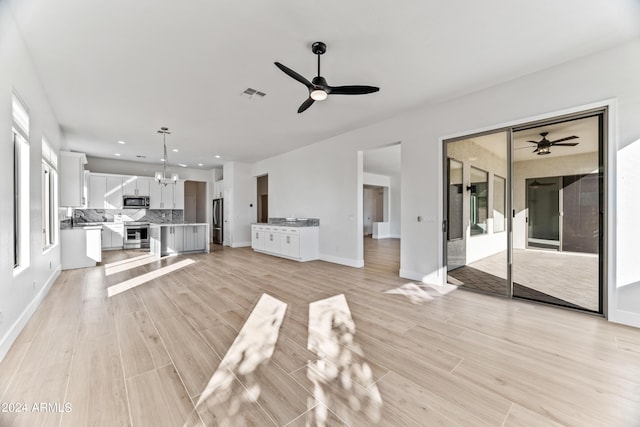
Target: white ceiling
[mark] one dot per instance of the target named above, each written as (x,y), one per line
(120,69)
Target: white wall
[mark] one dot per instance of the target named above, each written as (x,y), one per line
(321,180)
(20,295)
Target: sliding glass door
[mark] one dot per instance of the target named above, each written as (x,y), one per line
(524,209)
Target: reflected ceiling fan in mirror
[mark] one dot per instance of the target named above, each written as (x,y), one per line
(318,88)
(544,145)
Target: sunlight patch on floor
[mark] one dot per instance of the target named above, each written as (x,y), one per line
(130,263)
(144,278)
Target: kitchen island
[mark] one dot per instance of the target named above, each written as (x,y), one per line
(81,246)
(178,238)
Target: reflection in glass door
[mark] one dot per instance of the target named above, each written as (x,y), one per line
(476,244)
(557,200)
(524,211)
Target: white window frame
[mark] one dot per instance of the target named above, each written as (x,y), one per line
(21,208)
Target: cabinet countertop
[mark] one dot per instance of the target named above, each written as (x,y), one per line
(179,224)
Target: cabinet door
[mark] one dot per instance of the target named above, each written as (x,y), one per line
(71,179)
(97,191)
(178,235)
(166,198)
(272,241)
(143,185)
(155,195)
(202,239)
(290,245)
(114,193)
(189,237)
(117,236)
(178,195)
(106,238)
(129,185)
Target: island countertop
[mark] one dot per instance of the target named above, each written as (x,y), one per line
(177,224)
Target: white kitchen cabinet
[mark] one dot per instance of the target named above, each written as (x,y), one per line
(298,243)
(172,240)
(272,241)
(136,185)
(290,243)
(112,236)
(97,191)
(178,195)
(114,193)
(195,238)
(71,172)
(257,237)
(80,247)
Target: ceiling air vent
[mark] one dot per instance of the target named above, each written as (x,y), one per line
(252,93)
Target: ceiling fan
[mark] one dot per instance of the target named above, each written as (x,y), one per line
(318,88)
(544,145)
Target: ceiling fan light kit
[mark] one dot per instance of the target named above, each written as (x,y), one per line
(318,88)
(544,145)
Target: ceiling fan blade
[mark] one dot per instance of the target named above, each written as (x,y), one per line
(523,148)
(288,71)
(306,104)
(533,142)
(564,139)
(566,144)
(351,90)
(535,151)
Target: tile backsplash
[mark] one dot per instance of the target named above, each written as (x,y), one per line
(158,216)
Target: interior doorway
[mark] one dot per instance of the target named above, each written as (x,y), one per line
(263,199)
(549,176)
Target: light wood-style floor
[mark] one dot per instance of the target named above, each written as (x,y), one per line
(143,357)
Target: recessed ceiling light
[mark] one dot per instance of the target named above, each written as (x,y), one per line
(217,156)
(118,154)
(182,164)
(162,160)
(200,164)
(121,142)
(175,150)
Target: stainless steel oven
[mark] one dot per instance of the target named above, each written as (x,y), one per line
(135,201)
(136,235)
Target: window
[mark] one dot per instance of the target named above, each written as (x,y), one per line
(478,201)
(21,211)
(49,196)
(454,220)
(499,203)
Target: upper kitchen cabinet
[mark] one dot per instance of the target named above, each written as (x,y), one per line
(170,196)
(136,186)
(105,191)
(72,177)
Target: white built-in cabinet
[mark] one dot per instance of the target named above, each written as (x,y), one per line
(170,196)
(72,179)
(106,191)
(298,243)
(136,185)
(178,239)
(112,236)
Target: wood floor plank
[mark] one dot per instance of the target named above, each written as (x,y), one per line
(141,346)
(194,360)
(158,398)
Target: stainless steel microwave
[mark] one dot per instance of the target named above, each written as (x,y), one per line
(135,201)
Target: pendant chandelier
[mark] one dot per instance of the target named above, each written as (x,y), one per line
(165,176)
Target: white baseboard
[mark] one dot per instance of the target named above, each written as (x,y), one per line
(343,261)
(625,317)
(394,236)
(8,339)
(240,244)
(432,278)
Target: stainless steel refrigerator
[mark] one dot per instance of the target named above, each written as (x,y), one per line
(217,221)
